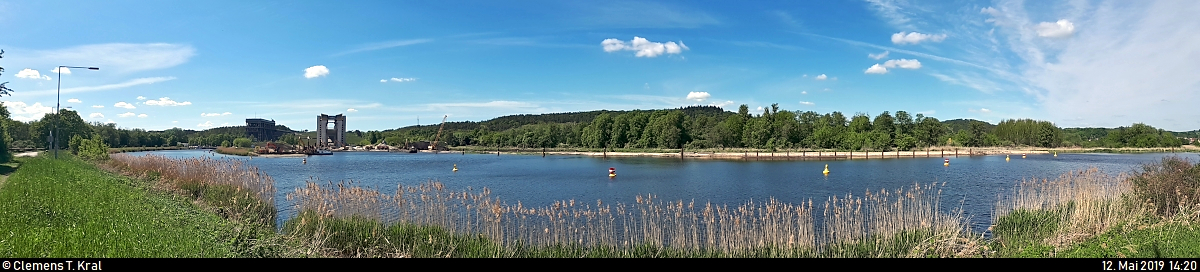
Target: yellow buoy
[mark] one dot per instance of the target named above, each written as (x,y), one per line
(826,170)
(612,172)
(1056,153)
(1006,158)
(1022,155)
(456,167)
(947,163)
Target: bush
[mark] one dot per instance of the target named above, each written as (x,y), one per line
(1168,186)
(242,142)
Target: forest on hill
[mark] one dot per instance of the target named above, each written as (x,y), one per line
(695,127)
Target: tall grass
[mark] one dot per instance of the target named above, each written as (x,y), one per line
(853,227)
(1076,206)
(237,190)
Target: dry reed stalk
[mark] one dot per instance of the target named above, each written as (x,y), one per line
(1090,200)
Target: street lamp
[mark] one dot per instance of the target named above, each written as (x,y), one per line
(59,103)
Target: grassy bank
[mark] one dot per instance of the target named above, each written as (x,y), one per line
(1151,213)
(69,208)
(236,151)
(162,207)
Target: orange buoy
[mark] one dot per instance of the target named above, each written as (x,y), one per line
(612,172)
(947,162)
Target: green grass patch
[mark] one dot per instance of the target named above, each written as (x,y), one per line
(1021,232)
(69,208)
(1166,240)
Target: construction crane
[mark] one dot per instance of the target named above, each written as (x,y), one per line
(439,134)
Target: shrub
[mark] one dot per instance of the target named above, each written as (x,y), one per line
(1168,186)
(242,142)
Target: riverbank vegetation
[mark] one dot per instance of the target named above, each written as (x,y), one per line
(226,208)
(70,208)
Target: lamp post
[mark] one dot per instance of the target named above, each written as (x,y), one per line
(58,103)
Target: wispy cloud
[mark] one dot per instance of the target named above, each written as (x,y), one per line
(806,103)
(96,115)
(215,114)
(127,114)
(822,77)
(878,56)
(126,84)
(382,45)
(117,57)
(74,100)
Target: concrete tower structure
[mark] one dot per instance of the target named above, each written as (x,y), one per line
(338,135)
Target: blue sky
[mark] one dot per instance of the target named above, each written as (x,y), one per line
(384,64)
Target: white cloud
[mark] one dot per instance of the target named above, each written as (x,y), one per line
(915,38)
(31,74)
(822,77)
(127,114)
(878,56)
(74,100)
(96,115)
(903,63)
(141,98)
(351,110)
(1060,29)
(24,112)
(382,80)
(206,124)
(806,103)
(403,79)
(98,106)
(316,71)
(142,115)
(643,47)
(122,104)
(118,57)
(166,101)
(110,121)
(215,114)
(65,70)
(698,96)
(803,92)
(985,110)
(876,69)
(134,82)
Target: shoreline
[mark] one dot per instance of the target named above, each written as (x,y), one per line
(941,152)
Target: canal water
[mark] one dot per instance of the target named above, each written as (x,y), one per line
(971,183)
